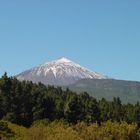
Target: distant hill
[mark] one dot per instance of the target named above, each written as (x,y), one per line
(128,91)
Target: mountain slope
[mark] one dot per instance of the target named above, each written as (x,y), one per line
(59,72)
(128,91)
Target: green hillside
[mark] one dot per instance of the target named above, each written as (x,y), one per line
(128,91)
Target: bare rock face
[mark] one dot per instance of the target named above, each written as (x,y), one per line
(59,72)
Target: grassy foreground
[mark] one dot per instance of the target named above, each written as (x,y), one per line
(59,130)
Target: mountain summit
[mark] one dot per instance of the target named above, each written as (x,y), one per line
(59,72)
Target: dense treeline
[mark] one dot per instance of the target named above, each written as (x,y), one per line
(24,103)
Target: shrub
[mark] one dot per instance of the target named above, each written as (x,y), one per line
(5,131)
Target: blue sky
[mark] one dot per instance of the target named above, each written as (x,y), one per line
(102,35)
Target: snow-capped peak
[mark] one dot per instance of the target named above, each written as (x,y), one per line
(59,72)
(59,61)
(63,60)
